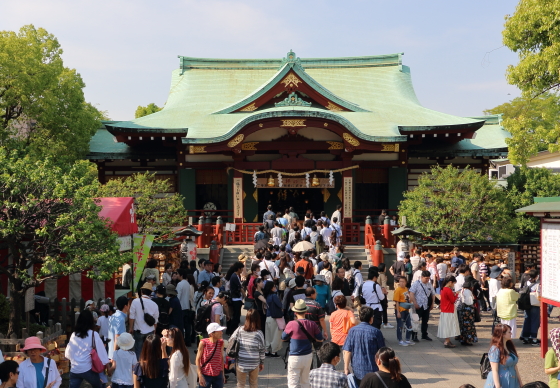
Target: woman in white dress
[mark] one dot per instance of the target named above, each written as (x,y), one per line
(179,363)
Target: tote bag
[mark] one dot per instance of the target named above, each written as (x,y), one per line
(96,364)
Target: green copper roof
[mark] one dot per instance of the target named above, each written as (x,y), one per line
(378,90)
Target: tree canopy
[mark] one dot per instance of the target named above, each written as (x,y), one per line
(142,111)
(533,32)
(42,105)
(525,184)
(533,124)
(157,209)
(49,219)
(453,206)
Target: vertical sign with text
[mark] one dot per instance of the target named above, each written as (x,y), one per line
(238,198)
(347,197)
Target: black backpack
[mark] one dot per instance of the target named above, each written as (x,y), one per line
(524,301)
(203,317)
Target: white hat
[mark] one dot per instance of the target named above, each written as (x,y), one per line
(89,303)
(401,256)
(125,341)
(214,327)
(320,278)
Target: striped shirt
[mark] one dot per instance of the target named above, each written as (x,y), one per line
(216,364)
(251,349)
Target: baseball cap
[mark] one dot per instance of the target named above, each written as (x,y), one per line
(214,327)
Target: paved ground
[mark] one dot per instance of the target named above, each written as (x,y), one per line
(429,364)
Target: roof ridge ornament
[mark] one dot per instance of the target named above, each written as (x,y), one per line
(291,58)
(292,100)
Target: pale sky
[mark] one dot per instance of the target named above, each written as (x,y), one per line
(126,50)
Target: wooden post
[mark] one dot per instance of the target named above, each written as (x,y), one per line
(64,313)
(387,232)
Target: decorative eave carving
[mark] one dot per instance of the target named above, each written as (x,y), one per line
(292,100)
(236,140)
(333,107)
(249,108)
(350,139)
(291,81)
(249,146)
(293,123)
(197,149)
(336,145)
(390,147)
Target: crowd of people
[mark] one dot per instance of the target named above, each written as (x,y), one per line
(287,288)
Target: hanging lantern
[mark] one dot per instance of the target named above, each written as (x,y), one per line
(279,180)
(315,181)
(270,182)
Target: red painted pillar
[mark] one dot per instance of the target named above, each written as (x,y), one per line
(387,233)
(544,329)
(200,227)
(377,256)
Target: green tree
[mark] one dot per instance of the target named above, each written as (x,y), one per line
(142,111)
(157,210)
(49,218)
(451,206)
(42,105)
(533,32)
(533,124)
(525,184)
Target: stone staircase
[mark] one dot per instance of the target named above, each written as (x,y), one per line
(230,253)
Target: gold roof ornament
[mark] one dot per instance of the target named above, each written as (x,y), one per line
(270,182)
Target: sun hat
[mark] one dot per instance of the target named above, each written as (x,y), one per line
(147,286)
(89,303)
(33,343)
(495,271)
(170,289)
(300,306)
(214,327)
(320,278)
(125,341)
(104,308)
(242,258)
(324,256)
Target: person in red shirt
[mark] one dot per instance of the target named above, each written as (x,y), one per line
(448,321)
(306,265)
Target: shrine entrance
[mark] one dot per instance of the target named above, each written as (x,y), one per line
(301,199)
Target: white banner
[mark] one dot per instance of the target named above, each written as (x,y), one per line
(125,243)
(550,261)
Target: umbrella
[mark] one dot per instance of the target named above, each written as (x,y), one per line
(303,246)
(261,244)
(405,231)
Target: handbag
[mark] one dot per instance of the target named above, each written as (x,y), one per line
(232,349)
(192,376)
(485,367)
(352,383)
(281,322)
(150,320)
(96,364)
(534,297)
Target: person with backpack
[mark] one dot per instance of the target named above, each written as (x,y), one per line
(163,307)
(506,305)
(356,280)
(302,334)
(210,358)
(532,322)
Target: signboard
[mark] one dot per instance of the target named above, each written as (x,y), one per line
(125,243)
(237,198)
(294,183)
(511,264)
(29,299)
(550,261)
(347,197)
(230,227)
(142,245)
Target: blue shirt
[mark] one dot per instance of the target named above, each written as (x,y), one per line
(116,327)
(363,342)
(39,372)
(323,294)
(205,275)
(456,261)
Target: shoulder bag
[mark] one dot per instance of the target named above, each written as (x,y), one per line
(429,297)
(150,320)
(309,337)
(47,374)
(485,367)
(96,364)
(232,349)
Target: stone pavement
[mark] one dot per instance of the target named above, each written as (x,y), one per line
(429,364)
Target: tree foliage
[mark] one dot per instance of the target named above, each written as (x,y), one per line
(142,111)
(49,220)
(42,105)
(533,32)
(525,184)
(533,124)
(157,210)
(452,206)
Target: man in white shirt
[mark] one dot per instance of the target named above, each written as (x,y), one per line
(416,259)
(270,266)
(373,293)
(335,226)
(183,294)
(475,268)
(494,285)
(461,277)
(337,214)
(326,233)
(137,324)
(277,233)
(358,279)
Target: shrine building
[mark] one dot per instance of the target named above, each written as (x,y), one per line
(239,134)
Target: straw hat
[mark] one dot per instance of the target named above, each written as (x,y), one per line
(147,286)
(242,258)
(33,343)
(125,341)
(300,306)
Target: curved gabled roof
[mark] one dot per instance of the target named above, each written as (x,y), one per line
(377,92)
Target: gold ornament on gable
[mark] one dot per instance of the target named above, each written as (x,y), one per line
(291,81)
(390,147)
(197,149)
(333,107)
(350,139)
(249,108)
(236,140)
(336,145)
(249,146)
(293,123)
